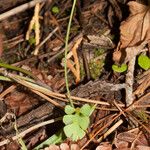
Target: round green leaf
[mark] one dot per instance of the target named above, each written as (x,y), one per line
(74,132)
(68,119)
(55,10)
(69,110)
(120,69)
(86,110)
(144,62)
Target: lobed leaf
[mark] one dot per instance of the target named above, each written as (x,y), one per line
(74,132)
(86,110)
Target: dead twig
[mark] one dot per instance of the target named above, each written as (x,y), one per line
(20,9)
(129,82)
(8,90)
(115,126)
(46,39)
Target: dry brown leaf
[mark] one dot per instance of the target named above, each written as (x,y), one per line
(20,102)
(134,33)
(125,139)
(136,28)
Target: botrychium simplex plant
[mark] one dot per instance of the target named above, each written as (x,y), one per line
(77,119)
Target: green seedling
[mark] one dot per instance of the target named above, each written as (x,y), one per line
(119,69)
(55,10)
(32,41)
(77,121)
(144,62)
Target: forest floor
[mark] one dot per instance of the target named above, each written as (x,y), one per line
(88,91)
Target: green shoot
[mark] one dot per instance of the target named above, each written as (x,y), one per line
(66,51)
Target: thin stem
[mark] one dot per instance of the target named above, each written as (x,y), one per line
(66,51)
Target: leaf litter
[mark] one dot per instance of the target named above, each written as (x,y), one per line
(134,40)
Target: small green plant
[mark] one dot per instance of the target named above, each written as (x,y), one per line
(120,69)
(55,10)
(32,41)
(77,121)
(144,62)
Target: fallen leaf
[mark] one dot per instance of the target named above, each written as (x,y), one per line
(125,139)
(137,26)
(20,102)
(134,33)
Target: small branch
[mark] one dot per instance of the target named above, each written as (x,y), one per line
(129,82)
(66,51)
(20,9)
(110,130)
(46,39)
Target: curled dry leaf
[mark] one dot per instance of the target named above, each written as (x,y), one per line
(133,32)
(136,28)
